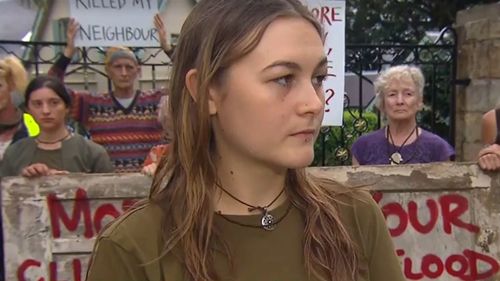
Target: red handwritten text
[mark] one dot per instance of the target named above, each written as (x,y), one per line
(81,210)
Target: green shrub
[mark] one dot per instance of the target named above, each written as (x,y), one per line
(332,148)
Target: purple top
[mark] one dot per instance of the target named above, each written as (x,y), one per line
(375,149)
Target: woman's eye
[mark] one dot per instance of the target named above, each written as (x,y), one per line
(318,80)
(284,81)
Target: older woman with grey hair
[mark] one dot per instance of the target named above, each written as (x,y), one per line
(399,96)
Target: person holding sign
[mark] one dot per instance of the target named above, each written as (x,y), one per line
(232,204)
(124,120)
(399,96)
(56,150)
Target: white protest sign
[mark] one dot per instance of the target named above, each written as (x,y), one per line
(331,14)
(115,22)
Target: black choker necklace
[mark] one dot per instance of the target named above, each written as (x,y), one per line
(267,221)
(396,158)
(266,227)
(53,142)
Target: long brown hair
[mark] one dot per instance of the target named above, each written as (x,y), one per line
(215,34)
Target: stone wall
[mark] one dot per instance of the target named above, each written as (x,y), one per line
(478,31)
(444,218)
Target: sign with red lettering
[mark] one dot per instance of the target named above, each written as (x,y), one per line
(50,225)
(443,219)
(108,22)
(331,14)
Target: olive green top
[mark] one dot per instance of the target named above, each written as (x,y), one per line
(76,155)
(52,158)
(127,250)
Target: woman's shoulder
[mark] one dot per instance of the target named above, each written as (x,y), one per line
(356,205)
(353,202)
(20,145)
(81,141)
(370,137)
(431,138)
(138,226)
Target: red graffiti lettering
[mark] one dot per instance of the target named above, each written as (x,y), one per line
(452,206)
(377,196)
(53,270)
(77,270)
(432,266)
(413,216)
(24,267)
(452,216)
(82,211)
(101,212)
(326,14)
(463,267)
(128,203)
(57,212)
(395,209)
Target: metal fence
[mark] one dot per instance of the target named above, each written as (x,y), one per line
(437,58)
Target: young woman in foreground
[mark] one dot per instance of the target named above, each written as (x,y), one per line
(232,201)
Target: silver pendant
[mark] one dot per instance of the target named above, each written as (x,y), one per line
(396,158)
(267,221)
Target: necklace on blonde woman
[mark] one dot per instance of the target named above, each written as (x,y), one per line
(267,220)
(396,158)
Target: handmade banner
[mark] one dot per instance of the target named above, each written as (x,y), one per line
(115,22)
(443,218)
(331,14)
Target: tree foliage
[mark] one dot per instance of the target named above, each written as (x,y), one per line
(400,21)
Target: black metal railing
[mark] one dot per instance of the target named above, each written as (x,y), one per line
(437,59)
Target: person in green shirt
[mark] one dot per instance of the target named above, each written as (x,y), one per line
(55,150)
(232,200)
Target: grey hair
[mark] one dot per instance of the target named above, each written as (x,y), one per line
(397,73)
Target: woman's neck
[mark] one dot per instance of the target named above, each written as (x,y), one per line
(123,93)
(402,132)
(52,136)
(253,185)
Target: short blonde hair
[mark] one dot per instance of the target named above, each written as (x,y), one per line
(14,73)
(398,72)
(114,53)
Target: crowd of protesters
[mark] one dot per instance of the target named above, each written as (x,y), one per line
(216,89)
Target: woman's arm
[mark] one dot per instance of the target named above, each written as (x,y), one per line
(489,127)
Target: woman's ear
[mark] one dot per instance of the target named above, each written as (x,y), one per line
(191,81)
(192,87)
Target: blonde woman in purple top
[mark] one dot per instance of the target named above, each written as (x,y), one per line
(399,96)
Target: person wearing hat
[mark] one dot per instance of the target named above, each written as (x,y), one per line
(55,150)
(124,120)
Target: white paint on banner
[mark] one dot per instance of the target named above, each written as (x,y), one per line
(115,22)
(331,14)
